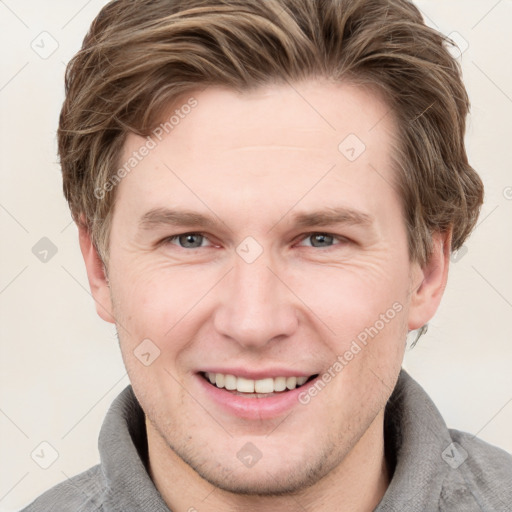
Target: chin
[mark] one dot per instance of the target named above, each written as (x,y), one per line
(278,477)
(262,484)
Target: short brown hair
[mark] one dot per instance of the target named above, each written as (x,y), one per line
(140,56)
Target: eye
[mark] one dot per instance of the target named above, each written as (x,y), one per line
(319,240)
(187,240)
(198,240)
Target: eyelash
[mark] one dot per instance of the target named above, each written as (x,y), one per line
(304,236)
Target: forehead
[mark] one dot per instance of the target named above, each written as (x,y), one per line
(277,115)
(278,139)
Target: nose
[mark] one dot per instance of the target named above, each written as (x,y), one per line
(256,306)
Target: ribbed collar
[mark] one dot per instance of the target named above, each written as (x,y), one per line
(123,453)
(416,434)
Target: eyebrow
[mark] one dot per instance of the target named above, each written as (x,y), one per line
(330,216)
(164,216)
(187,218)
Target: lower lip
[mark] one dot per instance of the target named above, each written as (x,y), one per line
(254,408)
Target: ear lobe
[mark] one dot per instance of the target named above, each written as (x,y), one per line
(97,276)
(428,282)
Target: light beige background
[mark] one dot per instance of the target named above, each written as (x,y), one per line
(60,365)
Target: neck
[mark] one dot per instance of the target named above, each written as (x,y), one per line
(357,484)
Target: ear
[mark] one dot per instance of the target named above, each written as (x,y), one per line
(97,275)
(428,282)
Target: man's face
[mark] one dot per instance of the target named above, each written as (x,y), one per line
(256,294)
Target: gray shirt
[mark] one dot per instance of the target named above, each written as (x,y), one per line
(434,468)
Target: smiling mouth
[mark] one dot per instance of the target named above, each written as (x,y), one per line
(250,388)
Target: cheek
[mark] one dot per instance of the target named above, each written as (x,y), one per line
(350,297)
(156,297)
(362,309)
(151,304)
(168,307)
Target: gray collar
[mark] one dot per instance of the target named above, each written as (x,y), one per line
(416,435)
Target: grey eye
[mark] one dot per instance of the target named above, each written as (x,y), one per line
(322,238)
(190,240)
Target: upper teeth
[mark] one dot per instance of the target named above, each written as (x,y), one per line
(269,385)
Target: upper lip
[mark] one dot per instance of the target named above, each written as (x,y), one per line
(259,374)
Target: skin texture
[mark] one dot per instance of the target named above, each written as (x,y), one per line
(252,162)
